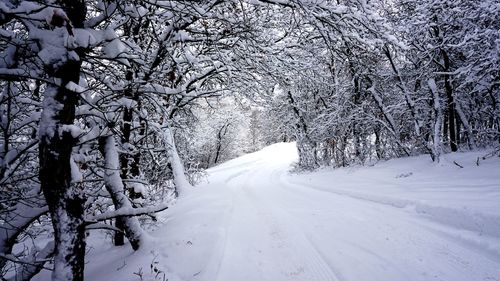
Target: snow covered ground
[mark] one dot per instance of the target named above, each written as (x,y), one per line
(404,219)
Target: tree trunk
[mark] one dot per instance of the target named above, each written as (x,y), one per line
(114,186)
(305,146)
(129,169)
(467,126)
(64,199)
(451,118)
(409,102)
(220,135)
(181,182)
(378,149)
(438,119)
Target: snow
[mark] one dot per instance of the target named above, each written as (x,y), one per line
(83,38)
(21,214)
(138,188)
(52,55)
(403,219)
(74,130)
(7,56)
(72,86)
(181,36)
(115,49)
(182,185)
(50,106)
(76,174)
(126,102)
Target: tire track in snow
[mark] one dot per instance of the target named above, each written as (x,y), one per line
(275,251)
(304,262)
(284,231)
(212,268)
(463,238)
(232,254)
(477,233)
(275,179)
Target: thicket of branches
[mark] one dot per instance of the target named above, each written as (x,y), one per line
(377,80)
(110,108)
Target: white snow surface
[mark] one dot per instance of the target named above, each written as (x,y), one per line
(403,219)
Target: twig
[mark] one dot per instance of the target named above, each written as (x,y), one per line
(491,154)
(99,225)
(15,259)
(125,212)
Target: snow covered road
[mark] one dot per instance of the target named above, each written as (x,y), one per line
(254,221)
(404,219)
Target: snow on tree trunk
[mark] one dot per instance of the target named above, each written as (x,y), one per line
(114,185)
(65,199)
(307,153)
(394,129)
(465,122)
(450,103)
(402,85)
(438,120)
(181,182)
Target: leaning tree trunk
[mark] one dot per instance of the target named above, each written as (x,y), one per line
(114,185)
(181,182)
(64,199)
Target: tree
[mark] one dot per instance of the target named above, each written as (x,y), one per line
(108,108)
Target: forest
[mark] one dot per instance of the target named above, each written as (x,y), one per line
(111,110)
